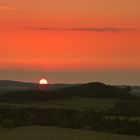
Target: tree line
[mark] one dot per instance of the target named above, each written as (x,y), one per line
(68,118)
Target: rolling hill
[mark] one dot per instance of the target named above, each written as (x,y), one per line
(89,90)
(8,86)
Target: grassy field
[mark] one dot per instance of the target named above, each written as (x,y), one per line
(75,103)
(53,133)
(123,118)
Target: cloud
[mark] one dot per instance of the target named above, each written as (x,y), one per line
(99,29)
(7,8)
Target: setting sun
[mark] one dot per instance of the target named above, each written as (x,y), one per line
(43,82)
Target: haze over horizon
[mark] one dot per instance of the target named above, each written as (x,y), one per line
(70,41)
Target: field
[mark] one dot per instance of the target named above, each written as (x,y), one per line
(54,133)
(75,103)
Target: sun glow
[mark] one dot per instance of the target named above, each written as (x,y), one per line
(43,82)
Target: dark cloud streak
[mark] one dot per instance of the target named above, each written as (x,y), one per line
(105,29)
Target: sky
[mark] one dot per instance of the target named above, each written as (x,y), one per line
(70,41)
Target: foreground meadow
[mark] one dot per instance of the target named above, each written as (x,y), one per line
(54,133)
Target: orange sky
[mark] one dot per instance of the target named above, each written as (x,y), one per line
(69,35)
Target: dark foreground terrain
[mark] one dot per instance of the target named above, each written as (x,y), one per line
(55,133)
(89,107)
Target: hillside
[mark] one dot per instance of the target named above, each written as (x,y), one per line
(96,89)
(8,86)
(86,90)
(94,106)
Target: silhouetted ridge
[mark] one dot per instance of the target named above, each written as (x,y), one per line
(96,89)
(95,84)
(14,83)
(91,90)
(14,86)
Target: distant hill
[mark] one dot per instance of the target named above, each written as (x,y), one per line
(96,89)
(8,86)
(8,83)
(91,90)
